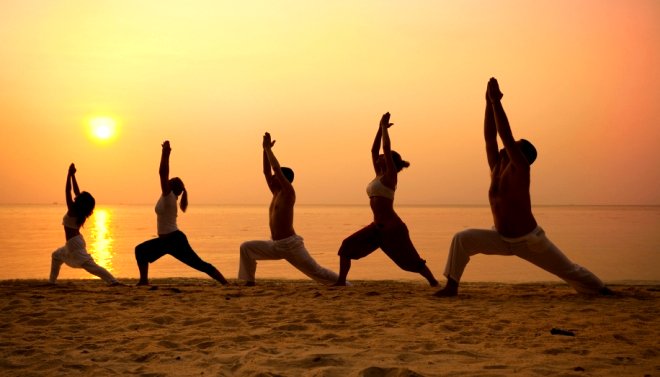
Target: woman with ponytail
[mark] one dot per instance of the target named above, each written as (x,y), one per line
(74,252)
(170,239)
(387,231)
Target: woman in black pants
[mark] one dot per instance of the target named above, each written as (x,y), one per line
(170,239)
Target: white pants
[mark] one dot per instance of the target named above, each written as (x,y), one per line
(534,247)
(75,255)
(292,249)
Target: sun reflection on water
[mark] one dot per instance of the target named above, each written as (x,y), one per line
(101,239)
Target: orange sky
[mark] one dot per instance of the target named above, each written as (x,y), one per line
(580,80)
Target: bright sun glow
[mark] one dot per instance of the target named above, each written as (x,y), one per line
(102,128)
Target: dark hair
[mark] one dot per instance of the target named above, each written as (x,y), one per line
(176,184)
(528,150)
(83,206)
(399,163)
(288,173)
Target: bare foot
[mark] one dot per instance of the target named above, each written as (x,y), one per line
(339,284)
(450,290)
(142,283)
(446,292)
(250,284)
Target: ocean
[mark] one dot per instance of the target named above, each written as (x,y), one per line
(617,243)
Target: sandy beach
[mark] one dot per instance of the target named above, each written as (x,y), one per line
(193,327)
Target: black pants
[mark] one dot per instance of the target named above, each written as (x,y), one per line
(175,244)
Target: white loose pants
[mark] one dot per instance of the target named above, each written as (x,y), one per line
(534,247)
(292,249)
(74,254)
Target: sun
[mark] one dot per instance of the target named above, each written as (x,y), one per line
(102,128)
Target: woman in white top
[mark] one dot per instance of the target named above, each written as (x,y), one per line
(387,231)
(170,239)
(74,252)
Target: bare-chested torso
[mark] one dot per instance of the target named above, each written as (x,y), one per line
(510,200)
(281,214)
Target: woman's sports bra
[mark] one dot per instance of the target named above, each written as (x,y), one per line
(377,188)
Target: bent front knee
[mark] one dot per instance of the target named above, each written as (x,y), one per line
(140,255)
(346,250)
(463,235)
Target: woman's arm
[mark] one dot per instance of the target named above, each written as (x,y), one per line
(390,169)
(70,176)
(76,190)
(164,170)
(375,148)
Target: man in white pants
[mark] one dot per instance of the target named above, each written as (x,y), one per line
(285,243)
(516,231)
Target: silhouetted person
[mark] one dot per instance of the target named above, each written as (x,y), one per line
(74,252)
(170,239)
(284,242)
(516,231)
(387,231)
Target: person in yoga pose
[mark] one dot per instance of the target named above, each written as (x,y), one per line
(387,231)
(284,242)
(74,253)
(170,239)
(516,231)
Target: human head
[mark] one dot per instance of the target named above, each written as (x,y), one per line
(177,187)
(288,173)
(528,150)
(83,206)
(399,163)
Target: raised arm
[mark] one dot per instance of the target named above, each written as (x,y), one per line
(390,169)
(490,134)
(74,182)
(71,179)
(375,148)
(274,164)
(267,144)
(503,128)
(164,169)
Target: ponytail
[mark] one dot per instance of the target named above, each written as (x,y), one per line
(399,163)
(183,204)
(178,188)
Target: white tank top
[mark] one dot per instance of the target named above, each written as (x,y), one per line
(166,213)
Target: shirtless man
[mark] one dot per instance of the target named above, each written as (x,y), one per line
(516,231)
(284,243)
